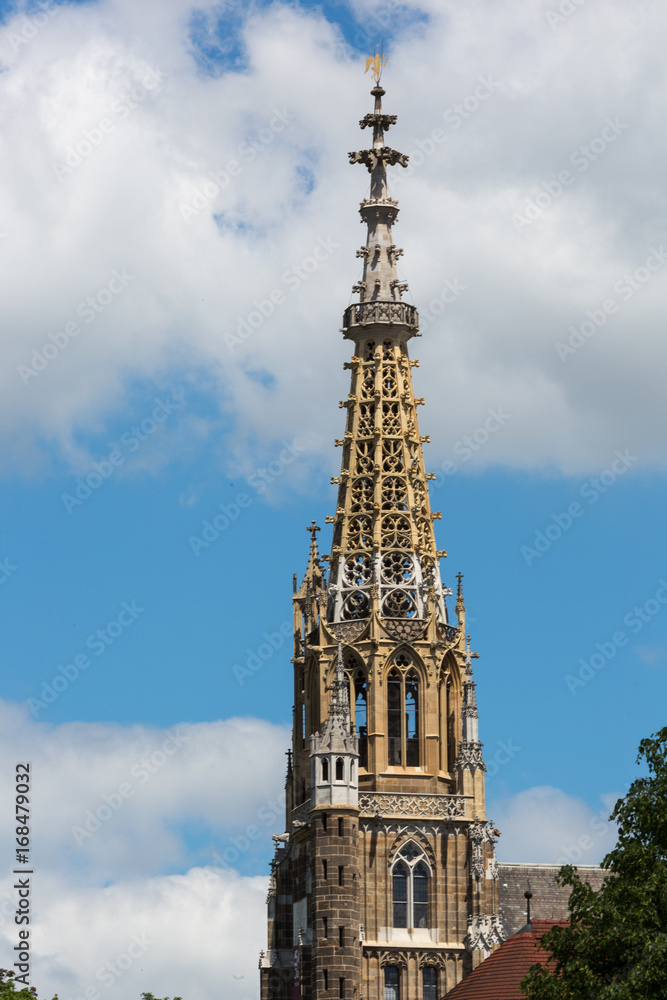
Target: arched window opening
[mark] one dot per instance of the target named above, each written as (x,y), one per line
(361,717)
(412,719)
(325,769)
(340,769)
(303,725)
(391,983)
(403,714)
(410,888)
(420,895)
(395,712)
(451,727)
(429,983)
(400,894)
(442,741)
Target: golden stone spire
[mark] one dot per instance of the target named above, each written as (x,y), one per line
(384,557)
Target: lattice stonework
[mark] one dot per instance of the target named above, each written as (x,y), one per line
(383,536)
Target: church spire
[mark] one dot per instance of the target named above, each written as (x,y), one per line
(384,557)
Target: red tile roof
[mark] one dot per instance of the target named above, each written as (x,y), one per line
(498,977)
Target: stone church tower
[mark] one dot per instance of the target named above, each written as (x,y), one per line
(384,885)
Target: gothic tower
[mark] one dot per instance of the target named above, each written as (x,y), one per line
(384,884)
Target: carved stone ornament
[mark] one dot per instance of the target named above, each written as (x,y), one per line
(364,313)
(301,815)
(448,632)
(483,933)
(469,757)
(404,629)
(420,846)
(437,959)
(386,957)
(347,631)
(404,804)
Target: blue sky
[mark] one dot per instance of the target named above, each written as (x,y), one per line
(184,420)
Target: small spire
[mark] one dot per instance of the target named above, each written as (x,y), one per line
(528,926)
(313,528)
(470,747)
(340,703)
(460,606)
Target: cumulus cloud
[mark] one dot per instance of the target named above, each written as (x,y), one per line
(545,824)
(138,834)
(195,935)
(202,153)
(116,801)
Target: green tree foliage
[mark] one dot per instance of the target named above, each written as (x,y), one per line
(615,947)
(149,996)
(8,989)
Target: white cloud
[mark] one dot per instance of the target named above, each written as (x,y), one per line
(196,935)
(545,824)
(113,808)
(123,207)
(114,802)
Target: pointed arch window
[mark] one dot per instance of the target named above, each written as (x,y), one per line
(361,716)
(429,983)
(410,887)
(325,769)
(392,983)
(403,727)
(340,769)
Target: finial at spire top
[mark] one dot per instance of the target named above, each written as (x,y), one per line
(378,62)
(313,528)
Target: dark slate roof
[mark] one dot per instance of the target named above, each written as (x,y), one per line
(498,977)
(549,900)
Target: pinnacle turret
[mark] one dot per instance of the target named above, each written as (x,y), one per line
(470,748)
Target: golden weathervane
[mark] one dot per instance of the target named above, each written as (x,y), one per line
(377,62)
